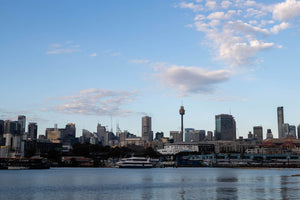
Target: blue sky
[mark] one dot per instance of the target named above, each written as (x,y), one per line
(100,61)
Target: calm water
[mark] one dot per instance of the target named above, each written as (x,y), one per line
(168,183)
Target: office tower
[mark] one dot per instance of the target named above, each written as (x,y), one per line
(176,136)
(298,131)
(188,134)
(101,130)
(198,135)
(280,120)
(285,130)
(147,134)
(209,135)
(159,135)
(68,134)
(250,135)
(32,131)
(292,131)
(22,121)
(225,127)
(53,134)
(269,134)
(258,133)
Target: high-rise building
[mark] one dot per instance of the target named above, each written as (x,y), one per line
(176,136)
(280,122)
(32,131)
(159,135)
(225,127)
(209,135)
(147,134)
(292,131)
(53,134)
(298,131)
(269,134)
(68,134)
(258,133)
(250,135)
(188,134)
(22,121)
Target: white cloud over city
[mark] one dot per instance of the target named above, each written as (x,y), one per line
(187,80)
(99,102)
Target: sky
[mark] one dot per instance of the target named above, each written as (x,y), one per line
(113,62)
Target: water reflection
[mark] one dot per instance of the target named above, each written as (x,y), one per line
(227,188)
(156,184)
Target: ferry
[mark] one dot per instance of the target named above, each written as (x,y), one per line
(135,162)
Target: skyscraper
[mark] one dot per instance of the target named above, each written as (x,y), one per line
(258,133)
(225,127)
(280,120)
(22,121)
(32,131)
(298,131)
(147,134)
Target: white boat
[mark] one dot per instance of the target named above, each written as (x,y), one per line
(135,162)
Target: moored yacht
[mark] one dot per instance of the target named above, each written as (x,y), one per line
(135,162)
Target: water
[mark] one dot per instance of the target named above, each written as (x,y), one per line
(168,183)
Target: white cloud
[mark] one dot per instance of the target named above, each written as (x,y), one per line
(277,28)
(192,80)
(216,15)
(225,4)
(63,49)
(93,55)
(192,6)
(140,61)
(245,28)
(287,10)
(211,4)
(97,102)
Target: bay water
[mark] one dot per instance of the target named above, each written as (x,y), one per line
(156,183)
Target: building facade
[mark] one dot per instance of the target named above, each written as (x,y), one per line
(147,134)
(280,122)
(225,127)
(258,133)
(32,131)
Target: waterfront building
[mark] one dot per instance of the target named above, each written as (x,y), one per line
(258,133)
(280,122)
(32,130)
(147,134)
(225,127)
(22,122)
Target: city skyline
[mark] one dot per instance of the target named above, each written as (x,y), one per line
(114,62)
